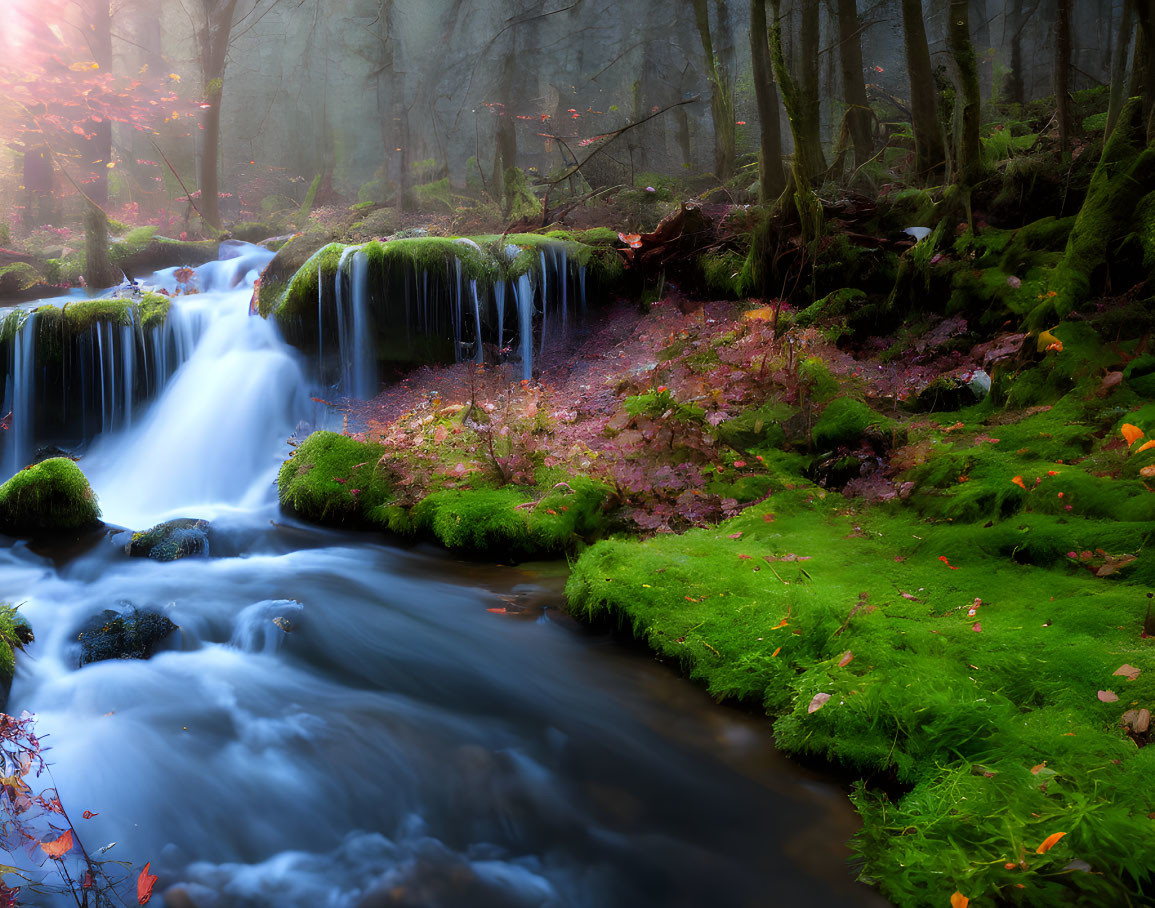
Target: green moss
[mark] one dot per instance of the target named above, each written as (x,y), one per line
(1145,229)
(844,423)
(334,479)
(836,304)
(722,273)
(14,634)
(18,277)
(51,495)
(153,309)
(1124,175)
(960,707)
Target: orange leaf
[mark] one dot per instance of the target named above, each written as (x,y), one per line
(1049,842)
(1131,433)
(846,659)
(1035,769)
(60,847)
(1145,446)
(958,900)
(1018,480)
(776,652)
(144,884)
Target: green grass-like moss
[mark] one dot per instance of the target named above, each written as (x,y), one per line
(959,707)
(14,634)
(334,479)
(51,495)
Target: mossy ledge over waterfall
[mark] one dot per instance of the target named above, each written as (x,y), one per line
(416,300)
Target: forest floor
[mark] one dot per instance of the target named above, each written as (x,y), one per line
(939,586)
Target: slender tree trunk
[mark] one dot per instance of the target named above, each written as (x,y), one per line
(214,46)
(929,150)
(505,152)
(100,41)
(721,96)
(810,106)
(1143,77)
(771,179)
(1013,88)
(99,272)
(858,114)
(1063,74)
(980,18)
(1119,65)
(968,150)
(806,167)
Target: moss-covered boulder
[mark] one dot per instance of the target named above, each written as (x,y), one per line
(17,279)
(142,251)
(132,635)
(171,540)
(335,480)
(15,634)
(48,496)
(847,422)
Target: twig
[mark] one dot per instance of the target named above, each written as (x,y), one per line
(188,194)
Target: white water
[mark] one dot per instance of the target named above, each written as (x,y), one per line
(399,745)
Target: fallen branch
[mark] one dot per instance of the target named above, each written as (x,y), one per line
(609,137)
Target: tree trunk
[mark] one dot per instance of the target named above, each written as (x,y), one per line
(99,272)
(1013,88)
(98,15)
(771,179)
(214,46)
(929,151)
(1143,77)
(721,96)
(1119,65)
(505,137)
(1063,74)
(968,150)
(858,114)
(980,17)
(810,107)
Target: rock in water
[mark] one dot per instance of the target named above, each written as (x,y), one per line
(133,635)
(171,540)
(51,495)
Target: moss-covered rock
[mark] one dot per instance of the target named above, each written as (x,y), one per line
(53,495)
(18,278)
(846,422)
(334,479)
(15,634)
(1124,175)
(171,540)
(133,635)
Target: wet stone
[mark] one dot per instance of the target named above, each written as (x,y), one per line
(171,540)
(132,635)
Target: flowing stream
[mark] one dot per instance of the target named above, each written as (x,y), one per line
(387,740)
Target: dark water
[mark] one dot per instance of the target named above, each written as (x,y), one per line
(339,722)
(402,744)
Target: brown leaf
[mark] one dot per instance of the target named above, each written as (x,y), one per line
(1130,672)
(817,703)
(1107,696)
(846,659)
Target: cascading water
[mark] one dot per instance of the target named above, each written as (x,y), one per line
(341,723)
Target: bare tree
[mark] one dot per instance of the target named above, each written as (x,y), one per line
(929,149)
(968,150)
(721,92)
(771,179)
(858,113)
(1063,73)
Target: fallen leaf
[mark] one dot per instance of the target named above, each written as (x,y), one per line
(1148,471)
(776,652)
(1146,446)
(1049,842)
(1035,769)
(497,611)
(88,814)
(734,536)
(958,900)
(817,703)
(977,627)
(846,659)
(1018,480)
(57,848)
(1130,672)
(1107,696)
(1131,434)
(144,884)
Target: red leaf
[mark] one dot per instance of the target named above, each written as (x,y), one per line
(144,884)
(1049,842)
(846,659)
(60,847)
(88,814)
(817,703)
(1107,696)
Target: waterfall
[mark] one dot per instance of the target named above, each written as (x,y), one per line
(524,296)
(354,326)
(68,382)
